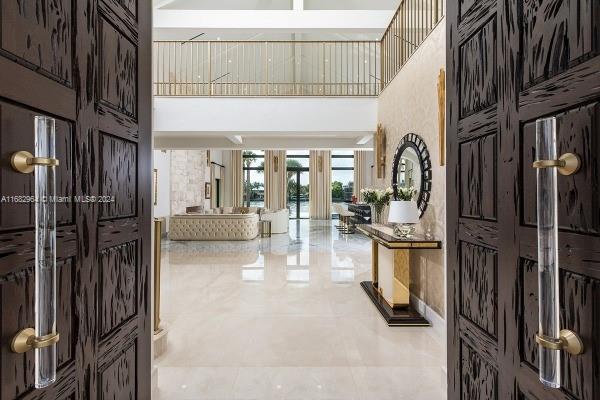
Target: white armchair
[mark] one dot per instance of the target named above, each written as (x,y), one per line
(279,220)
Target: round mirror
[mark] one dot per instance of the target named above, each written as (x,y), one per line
(412,169)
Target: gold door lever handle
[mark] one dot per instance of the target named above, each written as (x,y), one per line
(567,340)
(26,340)
(24,162)
(567,164)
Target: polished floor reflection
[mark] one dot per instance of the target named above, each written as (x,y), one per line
(286,318)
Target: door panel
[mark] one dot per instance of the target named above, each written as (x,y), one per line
(17,214)
(39,35)
(577,313)
(577,132)
(510,63)
(86,64)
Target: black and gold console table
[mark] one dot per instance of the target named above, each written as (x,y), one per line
(389,289)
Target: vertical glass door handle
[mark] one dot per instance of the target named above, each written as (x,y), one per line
(43,337)
(550,338)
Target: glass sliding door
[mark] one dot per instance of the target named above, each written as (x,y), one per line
(298,188)
(254,178)
(342,176)
(292,193)
(298,194)
(303,195)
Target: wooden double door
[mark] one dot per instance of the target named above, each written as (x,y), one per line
(86,64)
(510,63)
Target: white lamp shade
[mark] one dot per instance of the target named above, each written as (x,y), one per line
(403,212)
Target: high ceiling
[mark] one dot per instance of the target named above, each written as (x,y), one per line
(277,4)
(272,19)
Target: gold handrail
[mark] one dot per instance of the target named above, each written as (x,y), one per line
(413,21)
(294,68)
(266,68)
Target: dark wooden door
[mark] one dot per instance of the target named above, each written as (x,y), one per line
(85,63)
(510,63)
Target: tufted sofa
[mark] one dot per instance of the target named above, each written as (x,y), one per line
(213,227)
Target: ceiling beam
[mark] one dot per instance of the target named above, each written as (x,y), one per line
(289,21)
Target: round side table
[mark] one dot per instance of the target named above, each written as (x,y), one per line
(265,229)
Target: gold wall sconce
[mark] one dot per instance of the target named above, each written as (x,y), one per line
(155,178)
(320,163)
(380,144)
(441,87)
(276,163)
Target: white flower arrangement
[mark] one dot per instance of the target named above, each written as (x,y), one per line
(406,193)
(377,197)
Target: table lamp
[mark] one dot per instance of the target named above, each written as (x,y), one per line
(404,214)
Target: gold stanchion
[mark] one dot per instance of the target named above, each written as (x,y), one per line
(157,241)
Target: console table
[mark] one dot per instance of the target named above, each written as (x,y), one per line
(389,288)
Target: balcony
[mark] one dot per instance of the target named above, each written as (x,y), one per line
(272,68)
(294,68)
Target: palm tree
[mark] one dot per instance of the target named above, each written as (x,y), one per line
(291,164)
(248,157)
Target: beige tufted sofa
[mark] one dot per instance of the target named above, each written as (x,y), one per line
(213,227)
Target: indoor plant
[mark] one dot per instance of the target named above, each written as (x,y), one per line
(377,199)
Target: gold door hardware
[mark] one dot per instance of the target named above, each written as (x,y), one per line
(26,340)
(567,164)
(24,162)
(567,341)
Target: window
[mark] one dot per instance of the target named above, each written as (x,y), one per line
(297,183)
(254,178)
(342,176)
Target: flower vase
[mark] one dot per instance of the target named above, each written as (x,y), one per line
(376,215)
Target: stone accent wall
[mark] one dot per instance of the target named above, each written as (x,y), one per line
(189,173)
(410,105)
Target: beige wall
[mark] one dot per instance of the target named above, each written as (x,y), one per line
(410,104)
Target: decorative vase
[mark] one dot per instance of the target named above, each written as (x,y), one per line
(376,214)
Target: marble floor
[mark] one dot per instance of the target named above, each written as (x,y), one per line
(286,318)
